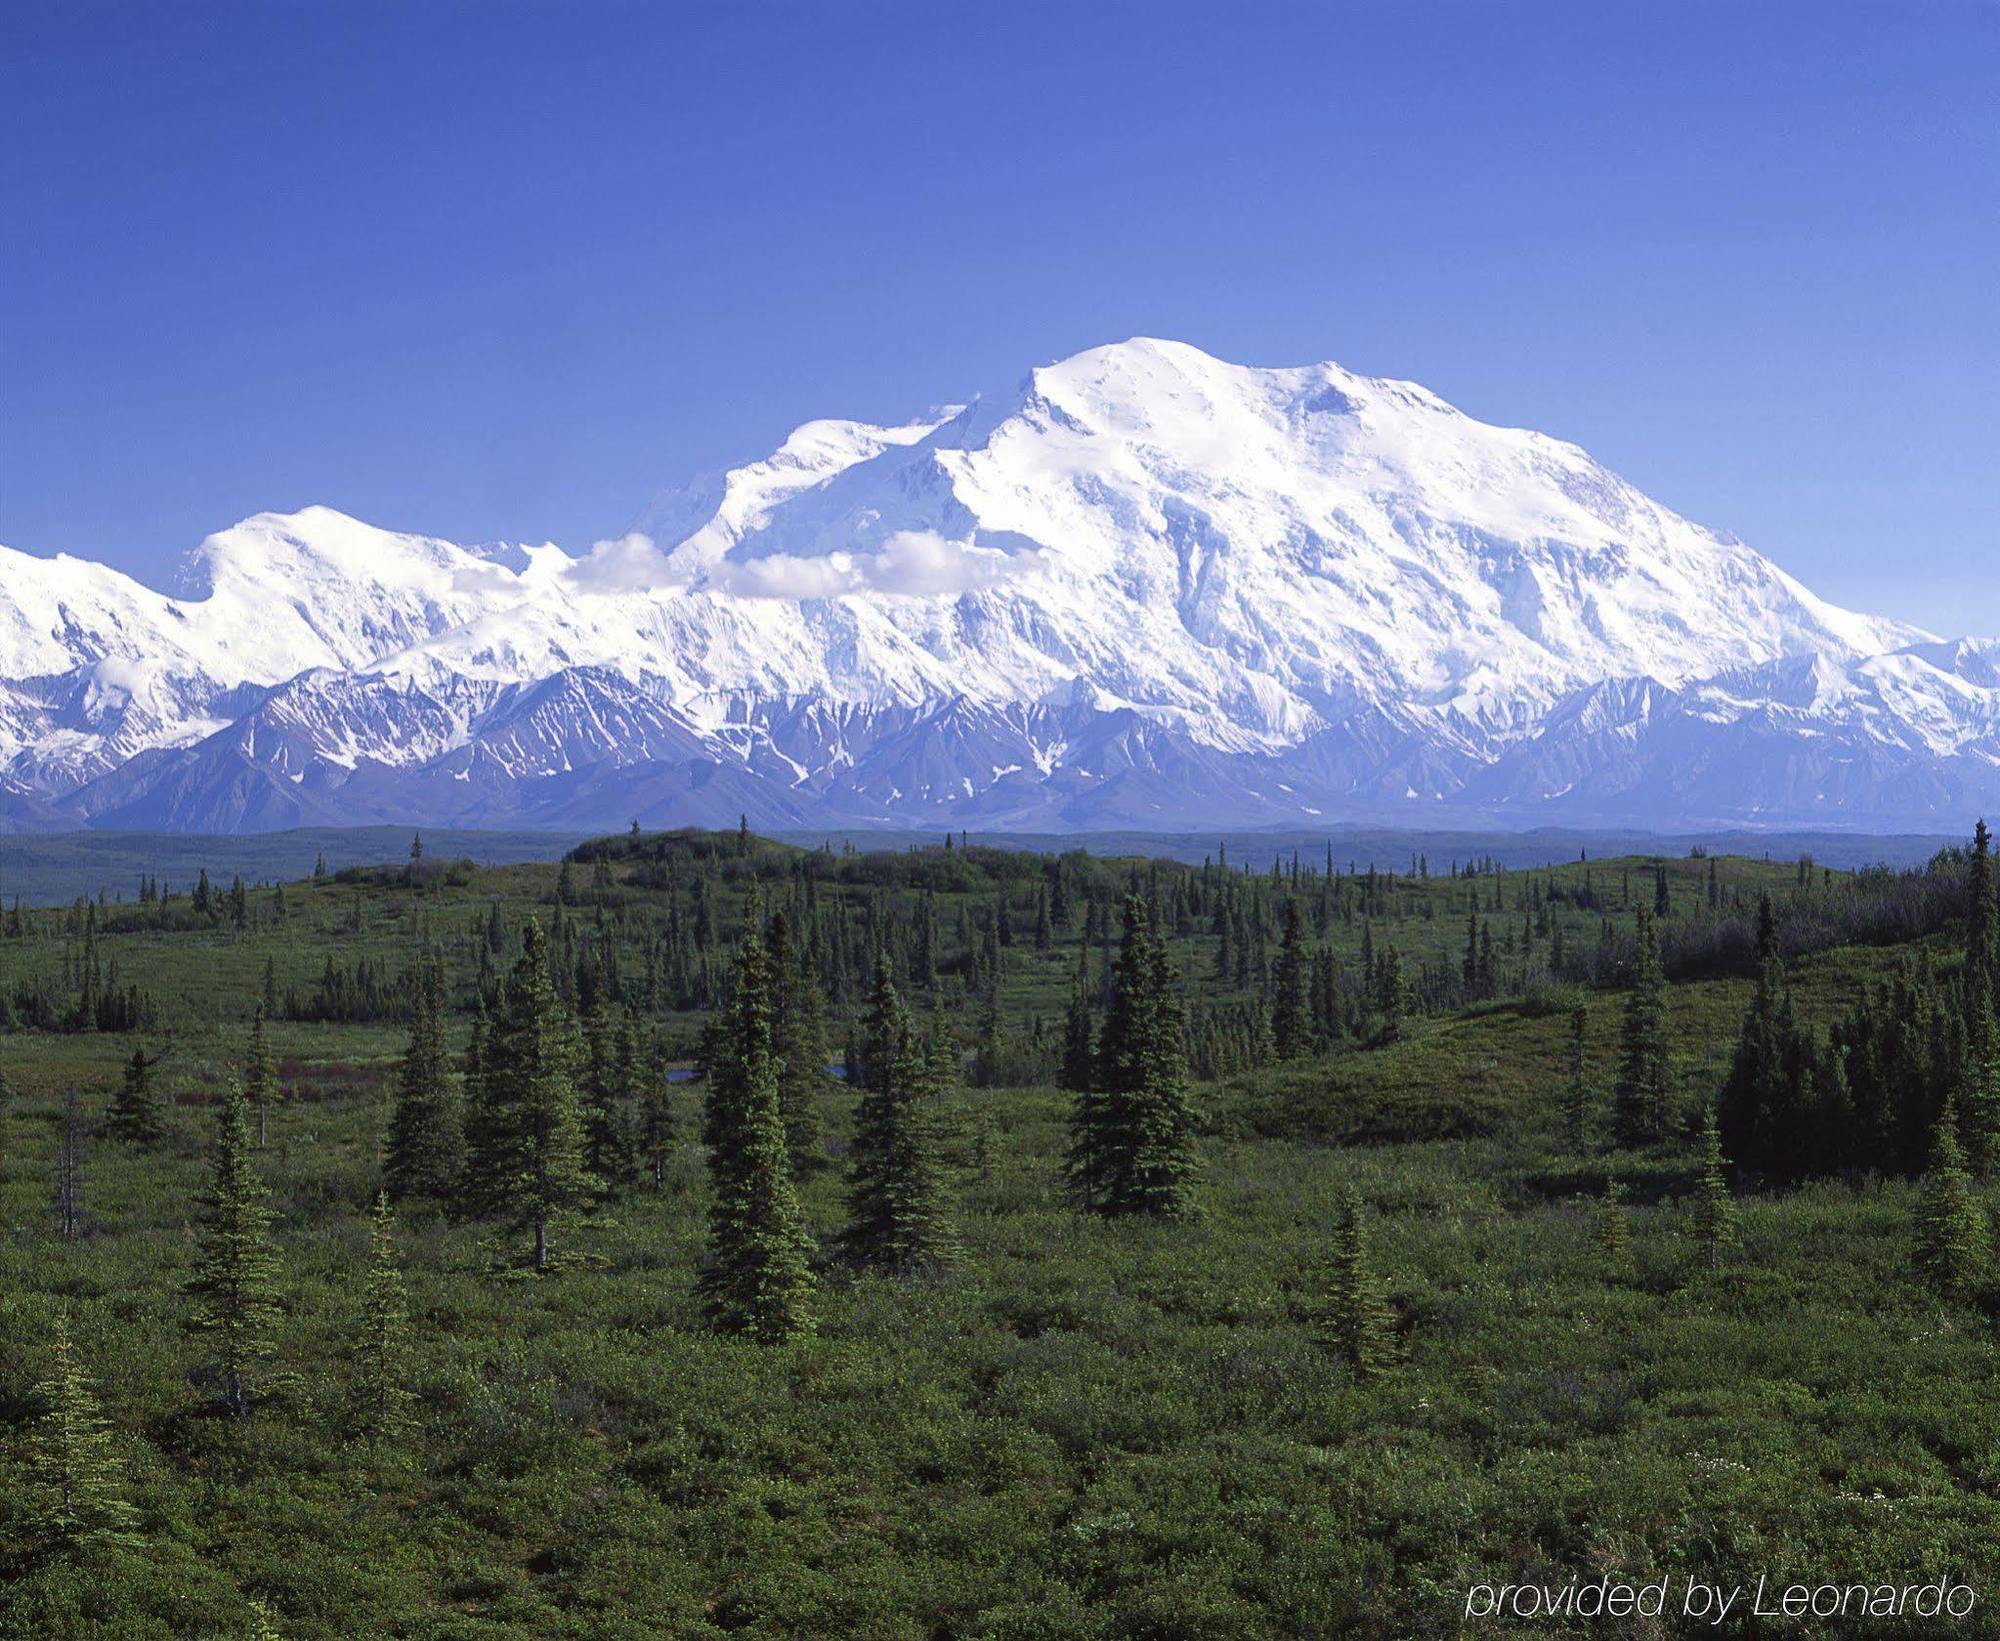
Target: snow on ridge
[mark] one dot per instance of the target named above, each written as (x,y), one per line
(1246,559)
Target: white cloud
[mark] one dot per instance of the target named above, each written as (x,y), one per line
(911,564)
(628,564)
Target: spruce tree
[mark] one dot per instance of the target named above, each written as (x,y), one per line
(758,1278)
(1611,1231)
(614,1127)
(1079,1061)
(233,1292)
(1132,1134)
(72,1143)
(1953,1244)
(530,1142)
(1715,1207)
(1639,1110)
(656,1119)
(1981,930)
(135,1116)
(1361,1325)
(1392,995)
(75,1498)
(798,1042)
(1770,1112)
(426,1144)
(898,1218)
(383,1402)
(260,1077)
(1978,1092)
(1291,1021)
(941,1050)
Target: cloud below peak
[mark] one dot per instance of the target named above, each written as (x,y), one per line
(908,564)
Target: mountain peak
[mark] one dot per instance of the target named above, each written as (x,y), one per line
(1147,581)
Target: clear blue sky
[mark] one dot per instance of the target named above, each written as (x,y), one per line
(502,270)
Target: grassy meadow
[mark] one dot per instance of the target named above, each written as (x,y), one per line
(1091,1427)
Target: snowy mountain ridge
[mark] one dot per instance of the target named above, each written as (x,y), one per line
(1142,587)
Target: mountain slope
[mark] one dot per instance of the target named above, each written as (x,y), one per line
(1142,586)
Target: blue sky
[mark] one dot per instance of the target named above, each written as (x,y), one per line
(503,270)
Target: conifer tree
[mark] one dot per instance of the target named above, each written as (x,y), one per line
(1953,1245)
(426,1145)
(758,1279)
(1610,1231)
(656,1119)
(1579,1098)
(383,1401)
(72,1140)
(898,1219)
(1291,1022)
(135,1116)
(75,1499)
(527,1150)
(234,1288)
(1361,1325)
(1639,1110)
(1981,930)
(1132,1135)
(613,1149)
(989,1053)
(1392,994)
(260,1077)
(798,1042)
(1978,1092)
(941,1050)
(1079,1061)
(1715,1207)
(1769,1110)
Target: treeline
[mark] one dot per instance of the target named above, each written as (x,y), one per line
(1913,1064)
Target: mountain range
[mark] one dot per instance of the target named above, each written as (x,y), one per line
(1143,588)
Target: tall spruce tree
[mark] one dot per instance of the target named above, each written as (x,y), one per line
(1079,1055)
(798,1041)
(233,1292)
(1639,1109)
(383,1401)
(758,1278)
(615,1133)
(1291,1020)
(656,1134)
(529,1149)
(75,1500)
(1714,1206)
(898,1218)
(1360,1323)
(1953,1238)
(135,1115)
(1769,1109)
(66,1196)
(1132,1136)
(1981,930)
(260,1076)
(425,1152)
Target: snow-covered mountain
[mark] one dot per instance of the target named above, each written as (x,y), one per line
(1142,588)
